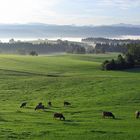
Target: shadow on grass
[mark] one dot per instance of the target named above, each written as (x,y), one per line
(133,70)
(112,119)
(48,111)
(105,132)
(27,73)
(118,119)
(54,107)
(68,106)
(69,121)
(3,120)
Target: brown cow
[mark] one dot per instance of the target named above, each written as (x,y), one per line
(39,106)
(108,114)
(59,115)
(137,114)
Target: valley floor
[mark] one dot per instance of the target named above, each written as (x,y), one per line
(77,79)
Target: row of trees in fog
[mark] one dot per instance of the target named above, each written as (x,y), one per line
(24,48)
(102,48)
(60,46)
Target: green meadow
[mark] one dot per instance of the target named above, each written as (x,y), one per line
(77,79)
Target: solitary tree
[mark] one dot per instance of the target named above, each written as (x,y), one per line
(33,53)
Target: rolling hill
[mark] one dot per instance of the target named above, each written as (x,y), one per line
(74,78)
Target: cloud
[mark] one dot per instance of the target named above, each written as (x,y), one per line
(122,4)
(69,12)
(22,11)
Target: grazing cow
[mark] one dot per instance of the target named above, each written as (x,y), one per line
(23,105)
(137,114)
(49,104)
(108,114)
(59,115)
(66,103)
(39,106)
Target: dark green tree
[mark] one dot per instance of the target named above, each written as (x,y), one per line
(134,50)
(129,60)
(33,53)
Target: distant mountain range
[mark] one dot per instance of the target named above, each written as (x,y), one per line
(126,25)
(38,30)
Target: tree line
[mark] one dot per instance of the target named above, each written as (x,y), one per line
(130,59)
(103,48)
(25,48)
(101,40)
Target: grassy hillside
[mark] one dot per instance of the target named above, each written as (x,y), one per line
(74,78)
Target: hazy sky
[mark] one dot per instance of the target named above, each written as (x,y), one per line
(80,12)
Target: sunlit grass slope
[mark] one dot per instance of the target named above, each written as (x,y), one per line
(74,78)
